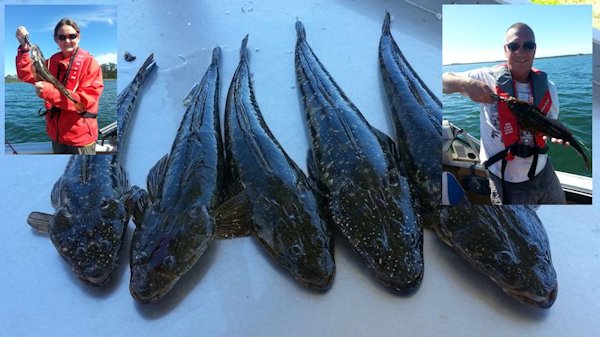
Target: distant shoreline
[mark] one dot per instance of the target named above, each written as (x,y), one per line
(537,58)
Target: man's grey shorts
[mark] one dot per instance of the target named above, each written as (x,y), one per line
(544,188)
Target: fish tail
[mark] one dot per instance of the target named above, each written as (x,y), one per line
(146,69)
(579,149)
(386,23)
(216,55)
(244,49)
(300,32)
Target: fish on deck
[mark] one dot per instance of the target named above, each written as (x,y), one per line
(93,202)
(281,207)
(417,116)
(506,243)
(93,205)
(174,220)
(366,193)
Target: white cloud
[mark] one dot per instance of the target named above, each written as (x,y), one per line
(106,58)
(103,15)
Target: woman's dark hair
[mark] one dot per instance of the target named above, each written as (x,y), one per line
(65,22)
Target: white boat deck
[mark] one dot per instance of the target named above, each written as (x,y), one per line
(236,290)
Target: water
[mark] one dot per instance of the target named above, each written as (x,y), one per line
(22,124)
(572,76)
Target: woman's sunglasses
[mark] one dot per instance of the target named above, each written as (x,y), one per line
(70,36)
(514,46)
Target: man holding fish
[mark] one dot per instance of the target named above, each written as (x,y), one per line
(520,171)
(70,83)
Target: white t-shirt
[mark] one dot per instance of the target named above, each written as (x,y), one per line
(491,143)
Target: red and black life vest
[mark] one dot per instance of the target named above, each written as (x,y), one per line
(508,124)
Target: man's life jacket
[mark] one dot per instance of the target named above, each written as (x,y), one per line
(508,124)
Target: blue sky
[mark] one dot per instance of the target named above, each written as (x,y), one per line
(98,25)
(475,33)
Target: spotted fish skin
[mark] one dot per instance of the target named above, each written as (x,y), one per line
(417,116)
(174,220)
(284,210)
(91,200)
(127,99)
(506,243)
(367,195)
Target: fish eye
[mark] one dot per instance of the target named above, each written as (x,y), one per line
(169,262)
(62,218)
(104,204)
(505,257)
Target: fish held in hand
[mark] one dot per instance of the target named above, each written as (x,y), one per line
(42,72)
(531,118)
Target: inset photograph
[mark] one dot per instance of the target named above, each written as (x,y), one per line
(60,79)
(517,104)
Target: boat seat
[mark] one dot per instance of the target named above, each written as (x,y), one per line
(452,192)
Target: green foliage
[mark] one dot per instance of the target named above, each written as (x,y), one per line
(109,70)
(11,78)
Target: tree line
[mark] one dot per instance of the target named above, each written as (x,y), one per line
(109,71)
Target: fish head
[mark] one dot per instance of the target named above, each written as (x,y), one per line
(526,274)
(515,253)
(286,221)
(165,245)
(90,239)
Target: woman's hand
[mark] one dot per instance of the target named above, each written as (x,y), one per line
(20,34)
(39,87)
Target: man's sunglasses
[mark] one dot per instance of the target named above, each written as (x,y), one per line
(514,46)
(70,36)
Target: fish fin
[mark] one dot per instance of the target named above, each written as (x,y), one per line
(388,143)
(386,23)
(156,177)
(187,101)
(138,201)
(40,221)
(300,31)
(313,176)
(232,217)
(244,49)
(216,55)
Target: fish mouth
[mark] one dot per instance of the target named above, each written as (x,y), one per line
(148,286)
(543,301)
(402,283)
(94,276)
(320,283)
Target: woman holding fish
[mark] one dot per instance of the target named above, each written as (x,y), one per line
(70,83)
(515,155)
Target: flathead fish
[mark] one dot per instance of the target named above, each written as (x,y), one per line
(531,118)
(126,100)
(367,195)
(41,69)
(416,113)
(283,210)
(93,204)
(506,243)
(174,220)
